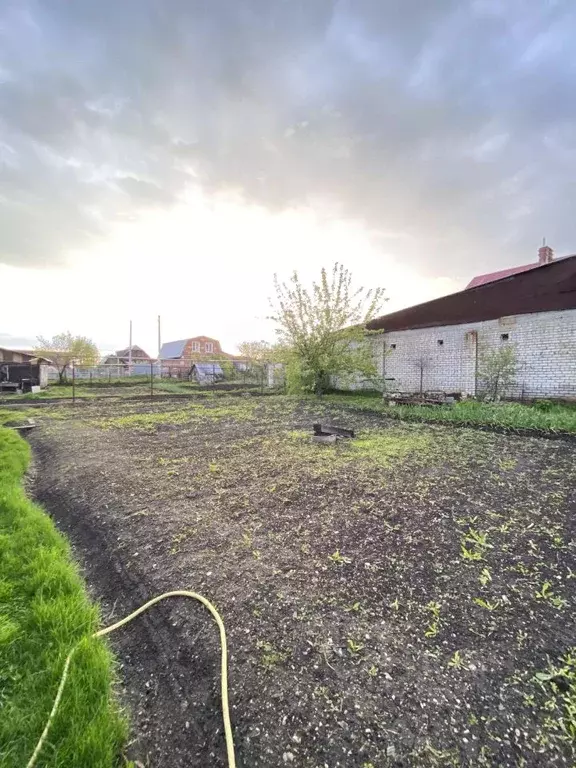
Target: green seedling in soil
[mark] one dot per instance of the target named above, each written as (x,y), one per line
(436,757)
(354,607)
(485,577)
(521,638)
(434,625)
(373,671)
(354,648)
(520,568)
(339,559)
(477,538)
(178,538)
(467,520)
(270,656)
(558,684)
(545,593)
(469,554)
(395,605)
(486,604)
(456,662)
(506,465)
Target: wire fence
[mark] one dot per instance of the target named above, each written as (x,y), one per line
(142,377)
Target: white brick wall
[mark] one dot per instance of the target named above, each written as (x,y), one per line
(545,344)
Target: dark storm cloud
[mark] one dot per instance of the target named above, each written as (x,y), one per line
(450,122)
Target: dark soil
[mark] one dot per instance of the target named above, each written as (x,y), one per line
(385,598)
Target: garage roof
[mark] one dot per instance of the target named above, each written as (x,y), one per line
(549,288)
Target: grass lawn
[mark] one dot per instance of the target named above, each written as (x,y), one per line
(135,386)
(405,598)
(545,416)
(44,611)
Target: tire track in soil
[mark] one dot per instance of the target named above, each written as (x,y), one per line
(171,690)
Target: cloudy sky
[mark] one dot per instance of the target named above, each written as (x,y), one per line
(168,156)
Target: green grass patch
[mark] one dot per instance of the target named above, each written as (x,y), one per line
(44,612)
(17,416)
(239,411)
(383,447)
(556,697)
(370,446)
(544,416)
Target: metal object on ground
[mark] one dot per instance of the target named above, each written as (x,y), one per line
(324,433)
(324,439)
(25,425)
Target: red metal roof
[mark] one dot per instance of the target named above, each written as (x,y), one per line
(549,288)
(489,277)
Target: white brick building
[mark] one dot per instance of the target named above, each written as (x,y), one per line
(438,345)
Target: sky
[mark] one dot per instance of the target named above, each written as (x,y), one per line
(169,156)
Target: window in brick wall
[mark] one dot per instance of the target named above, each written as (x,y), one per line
(209,346)
(195,346)
(392,346)
(504,336)
(440,342)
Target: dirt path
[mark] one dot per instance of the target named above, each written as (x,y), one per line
(167,676)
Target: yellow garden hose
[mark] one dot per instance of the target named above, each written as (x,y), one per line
(123,622)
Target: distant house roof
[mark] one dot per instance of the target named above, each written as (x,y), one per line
(549,288)
(172,349)
(137,352)
(545,256)
(490,277)
(28,353)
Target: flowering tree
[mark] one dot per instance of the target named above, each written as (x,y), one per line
(322,329)
(63,349)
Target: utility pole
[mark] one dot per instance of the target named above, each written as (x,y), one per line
(130,352)
(159,338)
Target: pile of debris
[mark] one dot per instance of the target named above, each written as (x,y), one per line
(421,398)
(327,434)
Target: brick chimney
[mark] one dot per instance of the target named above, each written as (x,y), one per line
(545,255)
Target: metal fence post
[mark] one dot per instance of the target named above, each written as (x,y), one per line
(73,383)
(151,379)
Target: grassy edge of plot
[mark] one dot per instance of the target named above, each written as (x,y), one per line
(44,612)
(543,416)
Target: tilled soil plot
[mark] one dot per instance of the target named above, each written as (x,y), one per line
(401,599)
